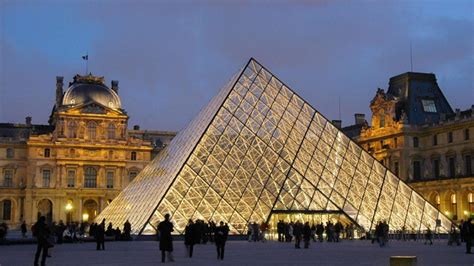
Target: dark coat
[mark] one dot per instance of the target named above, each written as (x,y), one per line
(306,232)
(221,235)
(166,241)
(42,233)
(100,232)
(191,234)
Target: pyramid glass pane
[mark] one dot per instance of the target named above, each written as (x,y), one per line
(258,148)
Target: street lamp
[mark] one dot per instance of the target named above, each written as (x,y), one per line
(68,206)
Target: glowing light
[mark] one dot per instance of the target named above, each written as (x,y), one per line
(466,213)
(85,217)
(68,206)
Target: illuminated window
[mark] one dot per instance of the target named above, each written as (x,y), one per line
(110,179)
(92,130)
(454,205)
(438,201)
(47,152)
(71,178)
(470,200)
(72,130)
(111,131)
(46,177)
(8,178)
(429,106)
(90,177)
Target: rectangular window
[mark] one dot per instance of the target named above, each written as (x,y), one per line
(450,137)
(395,142)
(8,178)
(466,134)
(429,106)
(133,156)
(110,179)
(435,139)
(132,175)
(46,177)
(452,167)
(436,168)
(382,120)
(71,178)
(6,206)
(47,153)
(468,165)
(395,168)
(416,170)
(10,153)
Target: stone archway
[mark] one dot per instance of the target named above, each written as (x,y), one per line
(90,209)
(45,208)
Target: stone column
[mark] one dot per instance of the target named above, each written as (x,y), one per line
(79,209)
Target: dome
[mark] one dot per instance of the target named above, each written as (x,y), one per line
(86,89)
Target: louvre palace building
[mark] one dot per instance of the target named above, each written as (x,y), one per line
(418,135)
(73,167)
(257,152)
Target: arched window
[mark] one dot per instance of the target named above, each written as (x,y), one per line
(454,205)
(10,153)
(111,131)
(90,177)
(72,130)
(91,130)
(470,201)
(6,210)
(438,201)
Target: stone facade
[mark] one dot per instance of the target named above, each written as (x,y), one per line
(74,167)
(417,135)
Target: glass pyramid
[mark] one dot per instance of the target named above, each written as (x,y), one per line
(256,148)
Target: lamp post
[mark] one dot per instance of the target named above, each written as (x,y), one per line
(68,212)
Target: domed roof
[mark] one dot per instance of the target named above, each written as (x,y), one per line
(89,88)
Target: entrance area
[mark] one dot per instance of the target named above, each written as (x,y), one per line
(90,210)
(45,208)
(313,217)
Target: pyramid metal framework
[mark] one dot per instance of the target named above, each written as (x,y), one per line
(256,148)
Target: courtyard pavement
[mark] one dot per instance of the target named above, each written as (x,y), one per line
(356,252)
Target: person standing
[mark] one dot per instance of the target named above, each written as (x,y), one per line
(23,229)
(306,234)
(166,241)
(297,232)
(467,233)
(127,228)
(429,236)
(41,231)
(189,237)
(100,235)
(222,232)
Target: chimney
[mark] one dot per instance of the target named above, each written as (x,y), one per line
(59,91)
(359,119)
(337,123)
(136,127)
(458,114)
(114,86)
(28,120)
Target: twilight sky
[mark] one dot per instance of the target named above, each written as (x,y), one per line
(171,57)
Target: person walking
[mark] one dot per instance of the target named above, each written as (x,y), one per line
(23,229)
(280,230)
(166,241)
(222,232)
(189,237)
(320,231)
(100,235)
(429,236)
(42,232)
(306,234)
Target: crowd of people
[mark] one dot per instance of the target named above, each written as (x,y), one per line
(334,232)
(200,232)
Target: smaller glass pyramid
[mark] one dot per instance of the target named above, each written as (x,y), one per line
(258,148)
